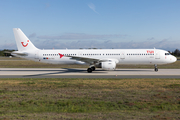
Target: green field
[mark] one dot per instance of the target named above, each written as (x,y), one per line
(85,99)
(22,63)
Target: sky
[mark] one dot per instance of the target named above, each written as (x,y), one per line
(103,24)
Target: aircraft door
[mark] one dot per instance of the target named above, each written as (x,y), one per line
(157,54)
(80,53)
(37,54)
(122,55)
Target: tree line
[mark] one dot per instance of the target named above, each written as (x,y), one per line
(7,52)
(176,53)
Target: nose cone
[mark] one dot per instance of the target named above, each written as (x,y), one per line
(174,59)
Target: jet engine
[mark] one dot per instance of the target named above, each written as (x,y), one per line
(107,65)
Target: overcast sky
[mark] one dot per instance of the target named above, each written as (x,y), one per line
(78,24)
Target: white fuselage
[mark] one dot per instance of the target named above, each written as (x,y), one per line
(100,58)
(120,56)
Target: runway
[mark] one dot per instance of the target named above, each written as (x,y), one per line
(82,73)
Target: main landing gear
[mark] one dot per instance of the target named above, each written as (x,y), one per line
(89,70)
(155,68)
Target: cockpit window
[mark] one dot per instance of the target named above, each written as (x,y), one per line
(167,54)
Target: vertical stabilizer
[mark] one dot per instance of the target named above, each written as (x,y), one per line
(23,43)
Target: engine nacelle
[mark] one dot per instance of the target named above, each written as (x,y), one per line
(107,65)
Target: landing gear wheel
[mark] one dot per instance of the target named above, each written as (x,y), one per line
(89,70)
(93,68)
(156,69)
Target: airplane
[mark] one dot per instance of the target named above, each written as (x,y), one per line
(107,59)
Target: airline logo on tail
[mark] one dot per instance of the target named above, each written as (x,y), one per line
(24,45)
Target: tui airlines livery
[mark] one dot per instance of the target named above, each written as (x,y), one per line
(95,58)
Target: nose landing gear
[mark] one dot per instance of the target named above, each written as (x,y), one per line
(155,68)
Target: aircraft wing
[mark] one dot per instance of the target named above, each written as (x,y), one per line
(89,60)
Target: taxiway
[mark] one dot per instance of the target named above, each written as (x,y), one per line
(82,73)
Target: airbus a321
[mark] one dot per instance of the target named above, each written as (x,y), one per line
(107,59)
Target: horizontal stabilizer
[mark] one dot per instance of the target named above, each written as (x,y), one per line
(17,53)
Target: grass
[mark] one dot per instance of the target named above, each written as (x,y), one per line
(89,98)
(21,63)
